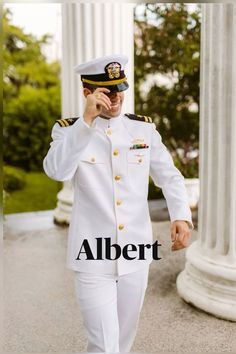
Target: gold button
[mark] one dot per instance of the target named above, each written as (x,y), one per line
(118,202)
(93,159)
(117,178)
(116,152)
(121,226)
(109,131)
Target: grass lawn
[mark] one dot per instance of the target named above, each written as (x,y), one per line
(39,193)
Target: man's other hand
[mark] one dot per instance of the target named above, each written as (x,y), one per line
(180,234)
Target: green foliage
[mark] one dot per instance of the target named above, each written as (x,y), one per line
(27,126)
(24,63)
(167,47)
(39,193)
(188,166)
(13,178)
(31,90)
(154,192)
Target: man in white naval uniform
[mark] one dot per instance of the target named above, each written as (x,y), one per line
(109,156)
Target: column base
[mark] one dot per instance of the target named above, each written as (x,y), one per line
(63,210)
(207,285)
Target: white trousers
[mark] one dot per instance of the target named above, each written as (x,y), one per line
(110,307)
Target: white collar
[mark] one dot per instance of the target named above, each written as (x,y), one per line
(104,124)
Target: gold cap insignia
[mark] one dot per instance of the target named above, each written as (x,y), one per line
(113,70)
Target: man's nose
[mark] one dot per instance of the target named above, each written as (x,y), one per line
(113,94)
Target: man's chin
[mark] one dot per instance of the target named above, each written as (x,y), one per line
(111,114)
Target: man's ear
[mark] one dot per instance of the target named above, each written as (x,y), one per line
(86,91)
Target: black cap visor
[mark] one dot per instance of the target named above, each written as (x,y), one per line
(118,88)
(113,88)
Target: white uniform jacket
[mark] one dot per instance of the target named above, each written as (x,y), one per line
(110,182)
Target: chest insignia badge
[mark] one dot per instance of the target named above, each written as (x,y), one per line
(139,146)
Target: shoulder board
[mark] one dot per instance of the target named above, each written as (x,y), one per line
(138,117)
(66,122)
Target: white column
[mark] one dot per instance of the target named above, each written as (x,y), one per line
(91,30)
(209,278)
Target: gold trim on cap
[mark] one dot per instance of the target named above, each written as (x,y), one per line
(105,83)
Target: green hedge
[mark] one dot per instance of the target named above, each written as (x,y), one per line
(28,121)
(154,192)
(13,178)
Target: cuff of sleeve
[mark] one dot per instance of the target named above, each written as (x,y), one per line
(87,125)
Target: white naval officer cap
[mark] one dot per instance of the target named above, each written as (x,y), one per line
(107,71)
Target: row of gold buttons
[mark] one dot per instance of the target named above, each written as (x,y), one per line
(117,178)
